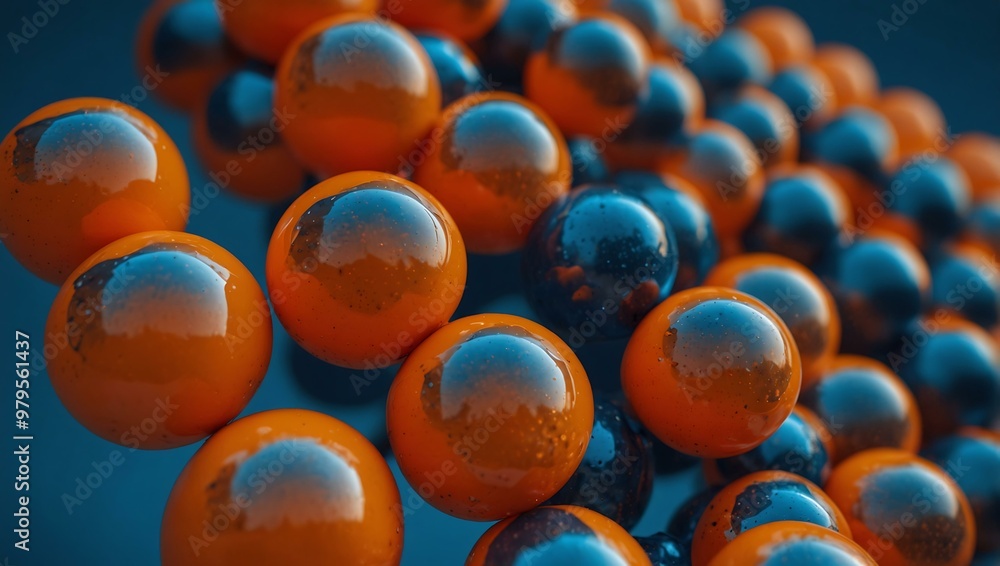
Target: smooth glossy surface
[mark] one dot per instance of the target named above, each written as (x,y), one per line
(466,20)
(237,139)
(795,295)
(732,61)
(490,416)
(684,521)
(615,477)
(723,361)
(523,29)
(783,34)
(799,446)
(759,499)
(965,279)
(284,486)
(182,52)
(587,156)
(863,405)
(557,535)
(765,120)
(982,227)
(807,92)
(590,75)
(664,550)
(721,163)
(496,162)
(927,201)
(918,121)
(851,74)
(656,20)
(979,155)
(880,282)
(706,15)
(364,266)
(265,28)
(596,262)
(802,213)
(792,542)
(363,93)
(456,66)
(954,373)
(81,173)
(680,206)
(904,510)
(158,340)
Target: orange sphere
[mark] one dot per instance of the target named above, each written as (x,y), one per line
(723,362)
(979,156)
(918,121)
(904,510)
(181,52)
(490,416)
(722,164)
(706,15)
(358,93)
(496,163)
(364,266)
(789,542)
(158,340)
(81,173)
(795,295)
(852,74)
(287,486)
(782,33)
(460,19)
(557,534)
(759,499)
(265,28)
(237,140)
(590,76)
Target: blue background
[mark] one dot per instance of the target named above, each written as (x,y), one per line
(947,48)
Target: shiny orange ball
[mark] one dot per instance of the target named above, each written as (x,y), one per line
(852,74)
(286,486)
(158,340)
(790,542)
(496,162)
(364,266)
(723,362)
(783,34)
(358,93)
(490,416)
(978,155)
(919,123)
(81,173)
(462,19)
(708,16)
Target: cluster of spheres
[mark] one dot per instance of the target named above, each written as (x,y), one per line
(799,268)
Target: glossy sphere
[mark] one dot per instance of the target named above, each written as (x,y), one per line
(656,20)
(917,119)
(931,201)
(851,74)
(858,149)
(357,75)
(669,111)
(119,322)
(723,361)
(328,496)
(466,20)
(792,542)
(964,279)
(730,62)
(979,155)
(799,446)
(863,405)
(364,266)
(590,76)
(972,459)
(182,49)
(596,262)
(685,519)
(766,121)
(801,215)
(783,34)
(457,68)
(497,163)
(239,125)
(664,550)
(497,404)
(615,477)
(880,282)
(561,534)
(795,295)
(721,163)
(954,373)
(904,510)
(81,173)
(587,156)
(264,29)
(982,227)
(706,15)
(759,499)
(807,92)
(523,28)
(681,207)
